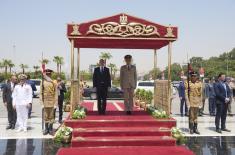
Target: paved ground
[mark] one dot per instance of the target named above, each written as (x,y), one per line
(206,123)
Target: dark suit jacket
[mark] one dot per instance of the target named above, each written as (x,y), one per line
(62,91)
(101,79)
(6,93)
(220,92)
(181,89)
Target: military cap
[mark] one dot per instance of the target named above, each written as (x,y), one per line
(48,71)
(22,76)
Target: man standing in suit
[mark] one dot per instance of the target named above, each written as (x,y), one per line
(128,80)
(7,100)
(61,90)
(222,94)
(101,81)
(183,104)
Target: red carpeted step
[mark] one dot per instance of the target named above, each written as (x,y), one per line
(125,150)
(121,131)
(123,141)
(169,123)
(123,113)
(88,105)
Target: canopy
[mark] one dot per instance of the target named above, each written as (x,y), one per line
(121,31)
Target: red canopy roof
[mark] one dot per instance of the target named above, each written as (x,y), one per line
(121,31)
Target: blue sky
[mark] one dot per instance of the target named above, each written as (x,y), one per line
(206,28)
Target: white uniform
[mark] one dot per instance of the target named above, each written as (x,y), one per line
(22,96)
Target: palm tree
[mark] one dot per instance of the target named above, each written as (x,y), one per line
(5,64)
(114,71)
(23,67)
(36,70)
(112,66)
(59,61)
(11,65)
(106,56)
(44,61)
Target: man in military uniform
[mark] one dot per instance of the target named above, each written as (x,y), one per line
(49,97)
(193,92)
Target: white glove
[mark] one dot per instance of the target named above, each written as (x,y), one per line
(42,106)
(55,106)
(227,100)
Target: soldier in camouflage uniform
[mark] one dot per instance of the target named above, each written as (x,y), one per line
(49,99)
(193,96)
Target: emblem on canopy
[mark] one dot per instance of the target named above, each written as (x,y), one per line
(123,29)
(169,32)
(75,30)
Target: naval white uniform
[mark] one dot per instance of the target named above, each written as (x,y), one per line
(22,96)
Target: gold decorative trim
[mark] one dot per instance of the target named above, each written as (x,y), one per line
(123,29)
(75,30)
(169,32)
(80,37)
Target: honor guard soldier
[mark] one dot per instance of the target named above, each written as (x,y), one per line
(193,91)
(49,99)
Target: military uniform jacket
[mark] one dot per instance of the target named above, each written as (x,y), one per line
(128,77)
(194,99)
(49,93)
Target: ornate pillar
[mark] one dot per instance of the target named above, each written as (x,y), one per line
(169,73)
(78,76)
(72,95)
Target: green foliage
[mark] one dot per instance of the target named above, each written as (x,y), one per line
(67,95)
(86,76)
(157,113)
(62,133)
(79,113)
(178,135)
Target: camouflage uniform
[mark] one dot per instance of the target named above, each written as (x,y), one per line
(194,101)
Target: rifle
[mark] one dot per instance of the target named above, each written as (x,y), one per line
(42,76)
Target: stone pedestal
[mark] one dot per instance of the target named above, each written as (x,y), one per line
(161,96)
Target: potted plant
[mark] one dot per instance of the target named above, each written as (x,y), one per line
(67,101)
(63,134)
(178,135)
(137,97)
(79,113)
(142,97)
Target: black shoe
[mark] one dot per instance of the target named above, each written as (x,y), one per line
(227,130)
(12,127)
(231,115)
(8,127)
(181,115)
(46,131)
(218,130)
(128,112)
(60,121)
(195,130)
(51,129)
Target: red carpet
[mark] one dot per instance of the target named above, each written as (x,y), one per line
(146,150)
(117,133)
(88,105)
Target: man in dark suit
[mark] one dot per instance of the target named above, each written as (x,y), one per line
(183,105)
(7,100)
(222,95)
(61,90)
(101,81)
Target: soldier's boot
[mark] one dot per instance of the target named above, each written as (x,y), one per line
(46,131)
(195,130)
(191,128)
(51,128)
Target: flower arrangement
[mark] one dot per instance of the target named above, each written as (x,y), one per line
(143,97)
(63,134)
(79,113)
(157,113)
(178,135)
